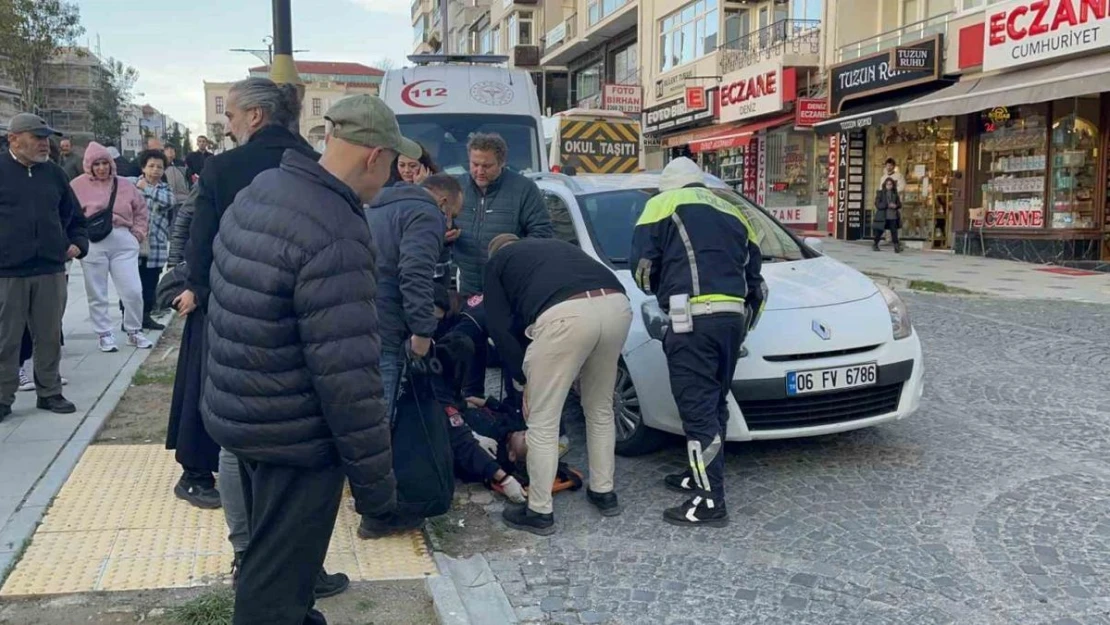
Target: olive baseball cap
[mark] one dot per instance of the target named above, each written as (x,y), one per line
(366,120)
(29,122)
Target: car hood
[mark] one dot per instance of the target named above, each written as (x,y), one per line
(814,282)
(809,283)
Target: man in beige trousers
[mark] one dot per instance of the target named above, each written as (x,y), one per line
(577,316)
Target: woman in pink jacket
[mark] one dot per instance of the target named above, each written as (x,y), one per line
(117,254)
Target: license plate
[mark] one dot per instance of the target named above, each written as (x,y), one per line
(836,379)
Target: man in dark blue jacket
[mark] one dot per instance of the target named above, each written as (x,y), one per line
(694,249)
(497,201)
(42,227)
(408,231)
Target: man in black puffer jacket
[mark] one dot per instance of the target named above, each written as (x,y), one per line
(497,201)
(292,387)
(408,238)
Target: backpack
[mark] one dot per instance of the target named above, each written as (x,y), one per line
(422,461)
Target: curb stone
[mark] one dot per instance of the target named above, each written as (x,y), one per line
(467,592)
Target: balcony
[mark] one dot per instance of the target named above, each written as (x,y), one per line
(559,37)
(909,33)
(525,56)
(798,42)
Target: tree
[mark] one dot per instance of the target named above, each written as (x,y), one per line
(385,64)
(216,138)
(32,32)
(187,143)
(174,138)
(112,96)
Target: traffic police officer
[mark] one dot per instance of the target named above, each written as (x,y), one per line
(698,253)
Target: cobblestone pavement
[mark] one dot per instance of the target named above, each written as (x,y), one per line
(987,506)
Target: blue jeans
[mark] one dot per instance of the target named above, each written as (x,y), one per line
(390,365)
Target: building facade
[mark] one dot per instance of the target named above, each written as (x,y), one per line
(71,79)
(997,114)
(325,82)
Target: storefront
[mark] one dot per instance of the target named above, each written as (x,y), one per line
(1037,138)
(757,147)
(865,132)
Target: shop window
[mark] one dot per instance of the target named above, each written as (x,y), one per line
(1012,166)
(1074,177)
(626,66)
(791,176)
(587,82)
(688,34)
(922,153)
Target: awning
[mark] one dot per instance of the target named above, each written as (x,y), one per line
(737,136)
(880,112)
(1069,79)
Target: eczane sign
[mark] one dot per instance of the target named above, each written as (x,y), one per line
(1027,31)
(753,91)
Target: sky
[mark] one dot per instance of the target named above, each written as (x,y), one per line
(176,46)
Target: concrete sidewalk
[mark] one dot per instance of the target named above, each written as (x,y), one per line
(38,449)
(989,276)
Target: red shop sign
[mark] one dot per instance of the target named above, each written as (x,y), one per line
(811,111)
(695,98)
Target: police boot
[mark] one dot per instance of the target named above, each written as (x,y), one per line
(697,511)
(680,482)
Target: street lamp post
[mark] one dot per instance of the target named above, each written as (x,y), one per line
(283,69)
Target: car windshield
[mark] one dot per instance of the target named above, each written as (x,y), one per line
(445,137)
(611,217)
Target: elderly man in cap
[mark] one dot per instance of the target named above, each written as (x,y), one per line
(43,227)
(293,386)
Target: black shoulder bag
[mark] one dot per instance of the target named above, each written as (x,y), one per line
(100,225)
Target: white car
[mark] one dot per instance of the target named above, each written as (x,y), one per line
(832,352)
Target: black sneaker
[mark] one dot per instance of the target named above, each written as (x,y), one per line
(330,585)
(379,527)
(606,503)
(236,566)
(690,514)
(5,411)
(150,324)
(205,497)
(520,517)
(680,482)
(57,404)
(874,247)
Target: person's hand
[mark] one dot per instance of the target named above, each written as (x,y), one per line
(476,402)
(421,175)
(185,303)
(73,252)
(141,183)
(420,345)
(487,444)
(453,235)
(513,490)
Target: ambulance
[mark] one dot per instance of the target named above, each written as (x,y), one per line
(443,99)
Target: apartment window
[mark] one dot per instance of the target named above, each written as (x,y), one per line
(598,10)
(587,82)
(419,29)
(486,41)
(520,29)
(972,5)
(738,25)
(808,9)
(317,107)
(626,66)
(688,34)
(219,105)
(496,40)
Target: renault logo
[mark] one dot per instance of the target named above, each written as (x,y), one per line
(822,330)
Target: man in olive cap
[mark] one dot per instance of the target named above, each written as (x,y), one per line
(293,386)
(43,227)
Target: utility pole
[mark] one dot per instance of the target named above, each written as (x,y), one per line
(283,70)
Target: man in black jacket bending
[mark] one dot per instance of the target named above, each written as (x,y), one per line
(293,386)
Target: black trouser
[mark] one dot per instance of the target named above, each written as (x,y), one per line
(701,364)
(292,514)
(148,276)
(890,224)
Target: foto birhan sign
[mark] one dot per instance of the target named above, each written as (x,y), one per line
(905,66)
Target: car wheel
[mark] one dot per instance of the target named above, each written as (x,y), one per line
(633,437)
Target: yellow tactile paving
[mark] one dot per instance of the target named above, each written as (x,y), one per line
(116,525)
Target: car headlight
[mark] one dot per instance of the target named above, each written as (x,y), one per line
(899,314)
(657,321)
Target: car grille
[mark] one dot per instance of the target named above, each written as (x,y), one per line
(816,355)
(821,409)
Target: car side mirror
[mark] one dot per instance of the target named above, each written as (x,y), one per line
(815,243)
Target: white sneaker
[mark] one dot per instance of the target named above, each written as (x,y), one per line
(137,339)
(107,343)
(25,381)
(564,445)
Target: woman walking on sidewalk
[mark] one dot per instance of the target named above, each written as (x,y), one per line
(888,214)
(100,190)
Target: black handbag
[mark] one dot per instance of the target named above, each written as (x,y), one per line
(99,225)
(422,460)
(170,286)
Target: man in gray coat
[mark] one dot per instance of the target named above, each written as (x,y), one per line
(497,201)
